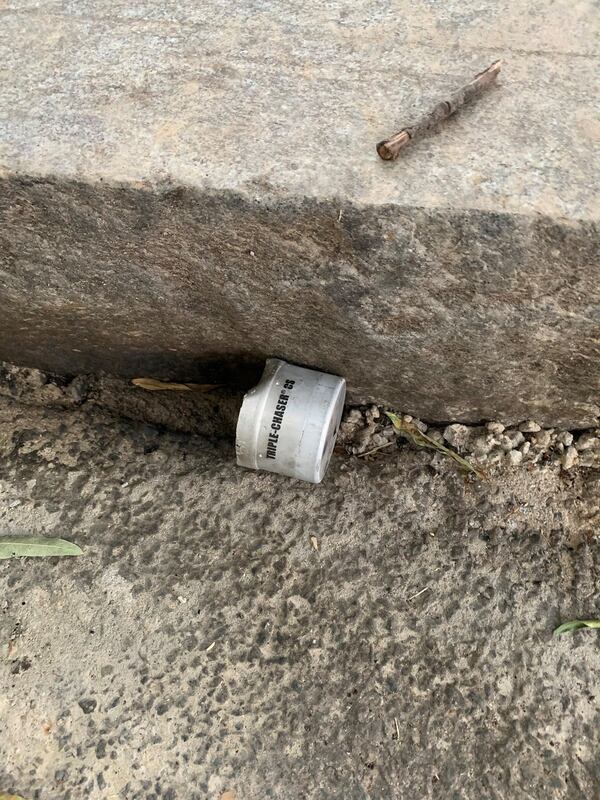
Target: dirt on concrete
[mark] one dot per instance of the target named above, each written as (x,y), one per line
(387,634)
(366,430)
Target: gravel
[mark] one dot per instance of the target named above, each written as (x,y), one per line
(566,438)
(514,457)
(488,445)
(529,426)
(510,440)
(458,436)
(542,440)
(569,458)
(588,441)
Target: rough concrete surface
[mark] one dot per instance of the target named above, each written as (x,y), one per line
(265,96)
(185,190)
(203,645)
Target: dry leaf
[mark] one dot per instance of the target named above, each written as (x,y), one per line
(420,439)
(228,795)
(152,385)
(315,543)
(4,796)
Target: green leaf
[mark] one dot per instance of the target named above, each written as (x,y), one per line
(575,624)
(420,439)
(37,547)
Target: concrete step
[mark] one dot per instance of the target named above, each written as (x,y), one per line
(187,190)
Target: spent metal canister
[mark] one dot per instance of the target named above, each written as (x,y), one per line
(288,423)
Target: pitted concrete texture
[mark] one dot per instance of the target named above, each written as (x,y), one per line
(188,189)
(202,645)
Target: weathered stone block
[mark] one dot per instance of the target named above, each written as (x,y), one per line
(185,191)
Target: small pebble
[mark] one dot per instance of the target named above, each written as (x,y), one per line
(510,440)
(541,441)
(589,458)
(483,445)
(34,377)
(351,423)
(587,441)
(495,427)
(569,458)
(372,414)
(414,421)
(52,393)
(565,438)
(525,447)
(78,389)
(354,415)
(378,440)
(87,705)
(457,435)
(529,426)
(514,457)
